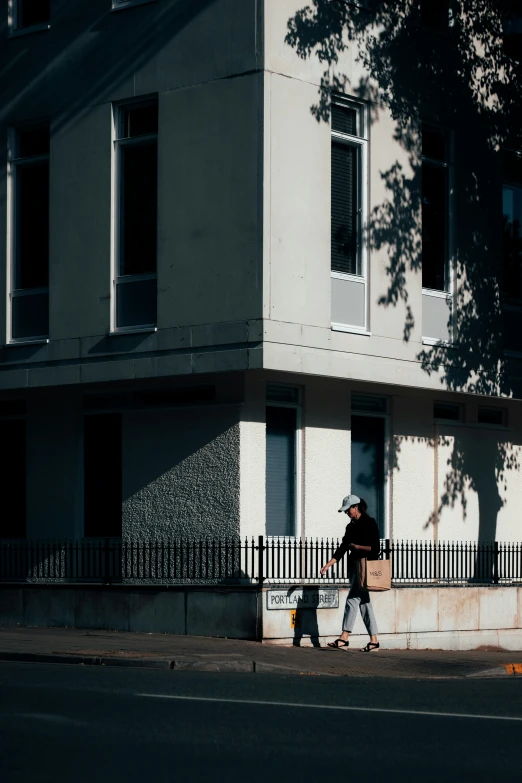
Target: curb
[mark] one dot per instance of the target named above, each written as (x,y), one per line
(176,664)
(504,670)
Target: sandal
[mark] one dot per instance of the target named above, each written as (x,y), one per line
(371,646)
(338,644)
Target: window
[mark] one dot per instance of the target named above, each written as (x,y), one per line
(29,252)
(512,29)
(447,411)
(30,13)
(435,209)
(102,466)
(511,273)
(512,225)
(136,148)
(494,416)
(435,14)
(13,473)
(282,450)
(348,198)
(368,454)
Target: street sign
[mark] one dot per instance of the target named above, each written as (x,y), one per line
(303,598)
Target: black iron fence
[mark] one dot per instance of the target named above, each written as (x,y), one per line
(252,561)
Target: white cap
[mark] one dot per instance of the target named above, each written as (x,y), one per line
(349,500)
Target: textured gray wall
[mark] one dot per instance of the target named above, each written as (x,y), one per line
(181,472)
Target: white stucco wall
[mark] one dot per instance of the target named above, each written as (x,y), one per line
(181,472)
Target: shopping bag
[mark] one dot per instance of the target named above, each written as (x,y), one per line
(373,575)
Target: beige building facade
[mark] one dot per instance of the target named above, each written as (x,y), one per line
(237,312)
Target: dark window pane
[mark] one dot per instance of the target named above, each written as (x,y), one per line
(344,120)
(280,471)
(138,209)
(434,144)
(12,408)
(367,477)
(512,30)
(13,479)
(140,120)
(276,392)
(136,303)
(33,141)
(435,13)
(434,228)
(367,402)
(491,416)
(32,226)
(32,12)
(448,411)
(344,209)
(102,456)
(30,316)
(512,241)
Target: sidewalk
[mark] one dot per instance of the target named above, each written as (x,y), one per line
(196,653)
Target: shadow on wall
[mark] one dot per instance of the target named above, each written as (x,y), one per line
(181,473)
(91,53)
(305,616)
(461,78)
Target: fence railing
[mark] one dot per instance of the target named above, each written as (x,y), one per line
(250,561)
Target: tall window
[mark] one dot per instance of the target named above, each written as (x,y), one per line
(435,14)
(29,167)
(512,226)
(13,473)
(136,149)
(435,209)
(348,147)
(368,454)
(511,275)
(30,13)
(281,460)
(348,198)
(102,465)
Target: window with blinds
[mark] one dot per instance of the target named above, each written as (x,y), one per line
(346,195)
(281,426)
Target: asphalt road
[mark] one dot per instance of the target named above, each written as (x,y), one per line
(92,725)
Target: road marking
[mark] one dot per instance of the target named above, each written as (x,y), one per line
(328,707)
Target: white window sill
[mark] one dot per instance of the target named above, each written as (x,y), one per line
(129,4)
(436,294)
(134,330)
(350,329)
(434,341)
(16,32)
(27,341)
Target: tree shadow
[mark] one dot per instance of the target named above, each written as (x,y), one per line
(462,76)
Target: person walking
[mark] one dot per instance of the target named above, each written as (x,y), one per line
(362,539)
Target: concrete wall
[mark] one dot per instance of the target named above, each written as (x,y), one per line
(211,611)
(181,472)
(451,618)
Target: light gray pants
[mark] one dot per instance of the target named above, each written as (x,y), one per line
(359,600)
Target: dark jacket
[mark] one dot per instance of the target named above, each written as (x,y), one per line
(362,531)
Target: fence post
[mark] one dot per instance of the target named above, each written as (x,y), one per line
(261,549)
(106,576)
(495,563)
(387,549)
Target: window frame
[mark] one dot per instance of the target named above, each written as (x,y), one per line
(14,163)
(118,142)
(15,30)
(449,274)
(387,416)
(297,406)
(361,143)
